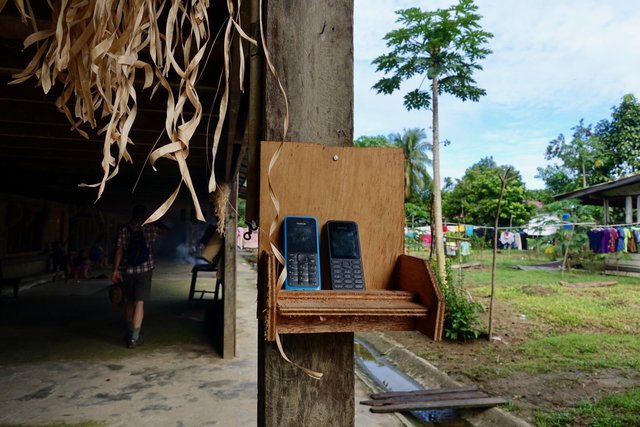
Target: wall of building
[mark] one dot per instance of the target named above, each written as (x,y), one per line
(31,228)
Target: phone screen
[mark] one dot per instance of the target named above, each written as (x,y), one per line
(344,241)
(301,235)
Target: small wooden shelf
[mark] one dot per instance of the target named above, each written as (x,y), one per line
(375,303)
(365,185)
(421,307)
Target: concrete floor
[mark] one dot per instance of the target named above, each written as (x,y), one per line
(62,359)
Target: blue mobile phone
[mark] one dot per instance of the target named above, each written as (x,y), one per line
(302,253)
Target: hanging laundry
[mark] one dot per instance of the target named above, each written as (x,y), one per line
(517,242)
(506,239)
(595,240)
(468,230)
(632,246)
(465,248)
(523,240)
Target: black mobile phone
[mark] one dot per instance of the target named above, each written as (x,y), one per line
(345,260)
(302,253)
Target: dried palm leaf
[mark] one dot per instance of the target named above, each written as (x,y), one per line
(93,49)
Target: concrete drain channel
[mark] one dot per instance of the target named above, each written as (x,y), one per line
(388,378)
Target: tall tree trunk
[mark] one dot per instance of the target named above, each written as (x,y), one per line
(437,195)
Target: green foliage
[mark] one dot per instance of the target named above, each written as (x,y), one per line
(584,351)
(557,179)
(444,45)
(597,155)
(415,147)
(372,141)
(575,239)
(242,209)
(621,136)
(415,213)
(584,161)
(474,199)
(618,410)
(462,315)
(543,196)
(546,418)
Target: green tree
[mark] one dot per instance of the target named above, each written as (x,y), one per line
(372,141)
(415,147)
(444,47)
(475,197)
(582,160)
(621,137)
(543,196)
(557,179)
(415,213)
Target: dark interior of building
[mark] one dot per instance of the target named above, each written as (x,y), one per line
(43,161)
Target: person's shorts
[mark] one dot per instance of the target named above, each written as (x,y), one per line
(137,287)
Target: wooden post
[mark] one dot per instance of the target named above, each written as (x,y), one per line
(311,47)
(504,179)
(229,291)
(628,210)
(638,209)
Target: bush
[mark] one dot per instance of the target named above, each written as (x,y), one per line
(462,315)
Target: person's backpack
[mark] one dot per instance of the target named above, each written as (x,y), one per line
(138,251)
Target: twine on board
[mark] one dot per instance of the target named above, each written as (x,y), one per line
(95,49)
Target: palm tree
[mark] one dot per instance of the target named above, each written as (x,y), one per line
(416,159)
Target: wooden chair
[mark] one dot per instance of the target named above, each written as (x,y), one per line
(208,267)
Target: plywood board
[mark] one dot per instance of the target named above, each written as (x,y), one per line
(365,185)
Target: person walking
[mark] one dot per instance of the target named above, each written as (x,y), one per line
(133,266)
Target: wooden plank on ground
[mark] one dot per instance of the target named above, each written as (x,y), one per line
(391,394)
(426,398)
(484,402)
(466,265)
(587,284)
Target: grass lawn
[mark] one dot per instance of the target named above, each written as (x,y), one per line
(565,356)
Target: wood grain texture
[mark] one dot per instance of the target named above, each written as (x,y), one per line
(483,402)
(426,392)
(415,275)
(346,307)
(293,312)
(426,398)
(345,323)
(229,288)
(365,185)
(294,399)
(311,45)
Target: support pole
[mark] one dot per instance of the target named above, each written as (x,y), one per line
(229,291)
(311,46)
(628,210)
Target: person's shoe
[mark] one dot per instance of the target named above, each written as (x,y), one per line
(135,343)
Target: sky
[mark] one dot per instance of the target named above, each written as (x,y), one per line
(553,63)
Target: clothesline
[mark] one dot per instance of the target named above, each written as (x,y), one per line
(558,224)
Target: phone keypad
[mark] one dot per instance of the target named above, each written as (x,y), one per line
(347,274)
(302,270)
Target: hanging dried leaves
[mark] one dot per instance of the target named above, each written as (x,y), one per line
(95,49)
